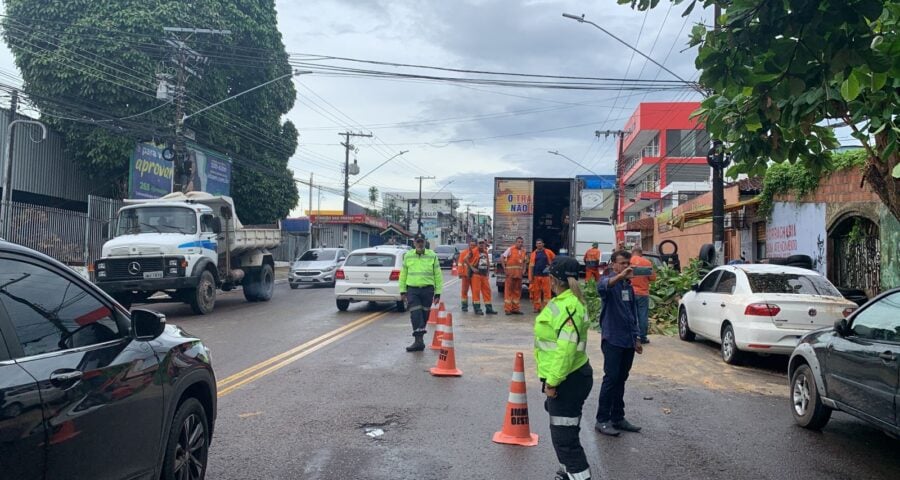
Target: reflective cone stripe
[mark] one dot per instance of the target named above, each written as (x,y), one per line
(454,270)
(516,429)
(432,316)
(446,364)
(444,319)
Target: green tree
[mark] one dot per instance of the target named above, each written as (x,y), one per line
(88,60)
(373,195)
(782,73)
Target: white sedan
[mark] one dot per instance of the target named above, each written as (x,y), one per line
(370,275)
(759,308)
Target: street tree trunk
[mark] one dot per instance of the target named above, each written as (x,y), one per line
(878,175)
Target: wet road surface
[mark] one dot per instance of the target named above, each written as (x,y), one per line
(303,383)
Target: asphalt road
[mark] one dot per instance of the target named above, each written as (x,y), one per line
(300,384)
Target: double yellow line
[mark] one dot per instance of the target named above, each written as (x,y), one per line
(233,382)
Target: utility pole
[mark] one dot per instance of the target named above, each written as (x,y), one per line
(718,160)
(188,62)
(347,171)
(311,244)
(468,237)
(419,230)
(620,166)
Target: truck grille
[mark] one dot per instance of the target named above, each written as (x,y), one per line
(119,269)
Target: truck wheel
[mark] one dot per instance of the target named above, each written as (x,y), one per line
(203,298)
(250,284)
(265,285)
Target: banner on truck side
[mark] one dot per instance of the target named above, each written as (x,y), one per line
(513,211)
(150,176)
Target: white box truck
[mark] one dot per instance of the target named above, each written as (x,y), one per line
(187,246)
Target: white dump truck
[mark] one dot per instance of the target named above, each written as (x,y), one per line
(187,246)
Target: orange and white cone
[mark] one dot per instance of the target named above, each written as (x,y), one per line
(444,319)
(454,270)
(446,364)
(516,429)
(434,312)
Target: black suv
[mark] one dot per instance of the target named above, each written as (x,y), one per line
(853,367)
(89,390)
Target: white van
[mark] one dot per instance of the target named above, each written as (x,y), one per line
(589,231)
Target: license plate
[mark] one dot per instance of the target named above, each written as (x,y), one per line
(153,274)
(365,291)
(306,279)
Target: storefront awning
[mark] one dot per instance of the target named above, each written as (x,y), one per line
(706,213)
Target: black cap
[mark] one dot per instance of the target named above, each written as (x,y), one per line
(419,238)
(564,268)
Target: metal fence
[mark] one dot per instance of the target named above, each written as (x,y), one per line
(292,245)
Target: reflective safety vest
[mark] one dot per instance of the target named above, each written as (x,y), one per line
(515,262)
(421,271)
(592,258)
(560,338)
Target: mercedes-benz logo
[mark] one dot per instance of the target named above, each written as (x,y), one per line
(134,268)
(366,275)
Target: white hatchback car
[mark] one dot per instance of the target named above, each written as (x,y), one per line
(759,308)
(370,275)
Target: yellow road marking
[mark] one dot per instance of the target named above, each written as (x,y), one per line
(247,371)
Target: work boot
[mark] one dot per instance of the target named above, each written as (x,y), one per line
(477,309)
(418,345)
(607,428)
(489,310)
(626,426)
(465,306)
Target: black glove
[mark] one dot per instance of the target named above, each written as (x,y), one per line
(437,297)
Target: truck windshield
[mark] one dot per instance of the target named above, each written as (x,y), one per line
(133,221)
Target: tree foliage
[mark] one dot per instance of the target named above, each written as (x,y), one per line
(782,73)
(90,60)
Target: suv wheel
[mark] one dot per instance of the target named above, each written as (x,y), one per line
(343,305)
(188,445)
(808,410)
(684,330)
(730,353)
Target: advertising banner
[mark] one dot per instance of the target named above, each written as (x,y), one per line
(513,212)
(797,229)
(150,176)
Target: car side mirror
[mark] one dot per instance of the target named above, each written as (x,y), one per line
(342,259)
(147,325)
(695,287)
(841,327)
(217,225)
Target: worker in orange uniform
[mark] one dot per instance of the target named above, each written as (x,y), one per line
(462,266)
(592,263)
(641,284)
(539,275)
(513,260)
(478,265)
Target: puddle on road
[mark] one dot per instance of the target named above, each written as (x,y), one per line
(377,430)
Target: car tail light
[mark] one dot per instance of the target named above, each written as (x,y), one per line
(762,309)
(848,311)
(339,275)
(395,275)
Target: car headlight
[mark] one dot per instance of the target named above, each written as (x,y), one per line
(101,274)
(173,262)
(330,269)
(101,266)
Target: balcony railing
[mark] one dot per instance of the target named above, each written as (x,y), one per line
(650,151)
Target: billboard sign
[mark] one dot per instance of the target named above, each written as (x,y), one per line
(150,176)
(513,212)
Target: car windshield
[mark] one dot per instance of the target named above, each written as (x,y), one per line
(370,260)
(444,249)
(462,246)
(133,221)
(317,255)
(791,283)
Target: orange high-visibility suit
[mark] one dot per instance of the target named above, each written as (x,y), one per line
(462,265)
(592,264)
(539,281)
(479,265)
(515,269)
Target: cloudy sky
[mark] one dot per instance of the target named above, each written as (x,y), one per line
(468,134)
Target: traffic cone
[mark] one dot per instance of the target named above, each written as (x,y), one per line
(516,430)
(444,319)
(432,316)
(446,364)
(454,271)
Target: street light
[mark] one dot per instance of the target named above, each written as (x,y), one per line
(379,166)
(7,177)
(581,19)
(292,74)
(556,152)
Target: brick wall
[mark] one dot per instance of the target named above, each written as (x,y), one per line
(839,187)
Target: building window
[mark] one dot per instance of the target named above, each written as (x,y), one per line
(687,143)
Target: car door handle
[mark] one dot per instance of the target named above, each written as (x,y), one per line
(704,303)
(888,356)
(722,304)
(65,378)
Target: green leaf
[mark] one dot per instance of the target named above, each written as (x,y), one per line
(878,81)
(896,172)
(850,88)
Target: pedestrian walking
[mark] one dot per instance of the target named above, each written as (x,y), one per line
(538,275)
(462,266)
(621,339)
(513,260)
(421,281)
(641,284)
(592,263)
(560,351)
(479,264)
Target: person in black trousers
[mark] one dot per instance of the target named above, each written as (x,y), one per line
(621,339)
